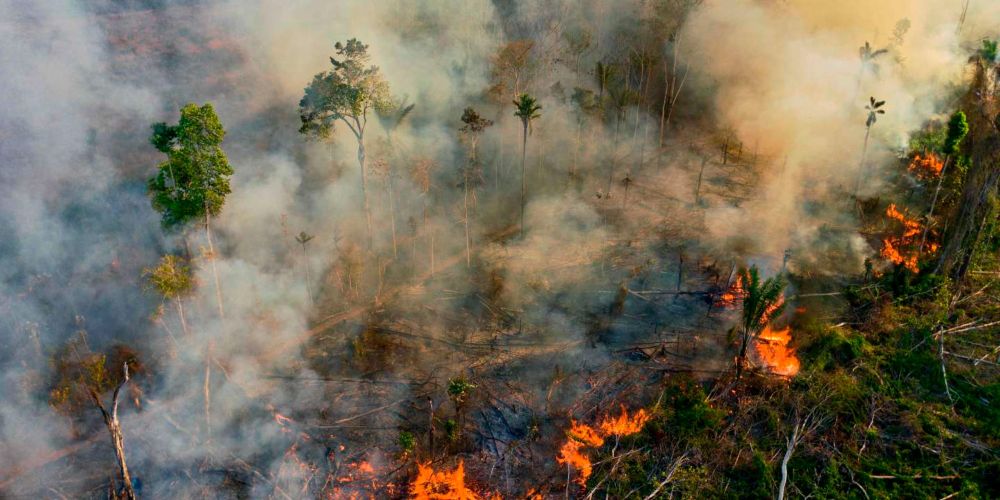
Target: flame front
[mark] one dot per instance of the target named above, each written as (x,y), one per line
(735,293)
(444,485)
(772,346)
(926,167)
(581,436)
(894,248)
(625,425)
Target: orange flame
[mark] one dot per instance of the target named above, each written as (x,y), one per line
(929,166)
(581,436)
(433,485)
(624,425)
(735,293)
(772,346)
(893,247)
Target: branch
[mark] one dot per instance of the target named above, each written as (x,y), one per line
(114,397)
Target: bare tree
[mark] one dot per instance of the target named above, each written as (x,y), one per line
(473,128)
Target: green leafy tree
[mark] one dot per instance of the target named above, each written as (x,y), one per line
(958,128)
(193,182)
(762,303)
(173,280)
(988,52)
(473,128)
(345,94)
(527,110)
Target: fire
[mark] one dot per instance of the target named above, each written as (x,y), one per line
(928,166)
(581,436)
(735,293)
(281,419)
(772,346)
(444,485)
(572,455)
(623,425)
(894,247)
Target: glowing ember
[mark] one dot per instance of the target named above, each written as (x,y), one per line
(581,436)
(772,346)
(433,485)
(281,419)
(900,249)
(926,167)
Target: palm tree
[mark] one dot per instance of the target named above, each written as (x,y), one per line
(874,109)
(868,56)
(527,110)
(763,301)
(303,238)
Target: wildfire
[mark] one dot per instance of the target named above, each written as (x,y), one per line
(735,293)
(444,485)
(623,425)
(281,419)
(928,166)
(772,346)
(894,247)
(581,436)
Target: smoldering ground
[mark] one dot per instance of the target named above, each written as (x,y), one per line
(82,82)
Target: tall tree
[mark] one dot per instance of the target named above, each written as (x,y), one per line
(868,56)
(527,110)
(172,279)
(303,238)
(193,182)
(958,128)
(512,68)
(474,126)
(584,105)
(345,93)
(763,301)
(874,109)
(390,115)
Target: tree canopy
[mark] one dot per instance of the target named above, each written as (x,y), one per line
(194,179)
(346,93)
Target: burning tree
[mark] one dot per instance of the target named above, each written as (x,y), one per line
(345,93)
(763,301)
(193,182)
(527,110)
(958,128)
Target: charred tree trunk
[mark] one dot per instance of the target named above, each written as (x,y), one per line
(180,313)
(117,437)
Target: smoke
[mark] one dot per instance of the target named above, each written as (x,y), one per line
(81,83)
(798,94)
